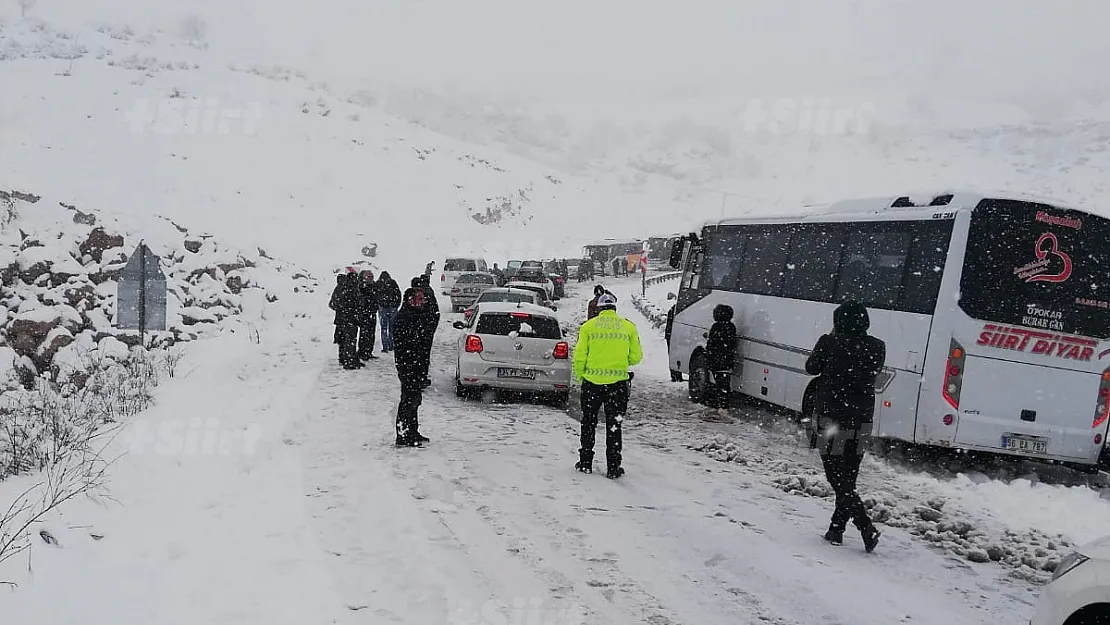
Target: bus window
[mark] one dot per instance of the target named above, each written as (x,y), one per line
(764,260)
(1039,266)
(813,263)
(928,254)
(873,267)
(724,248)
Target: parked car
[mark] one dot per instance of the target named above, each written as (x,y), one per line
(468,287)
(518,347)
(505,294)
(535,275)
(540,290)
(455,267)
(1079,593)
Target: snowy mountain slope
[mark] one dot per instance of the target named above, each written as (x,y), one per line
(260,153)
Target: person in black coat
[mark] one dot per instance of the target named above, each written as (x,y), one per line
(389,300)
(346,302)
(847,362)
(720,354)
(368,315)
(410,357)
(432,317)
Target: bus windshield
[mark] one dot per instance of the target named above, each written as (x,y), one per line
(1038,266)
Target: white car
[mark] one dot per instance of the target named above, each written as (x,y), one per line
(468,287)
(505,294)
(513,347)
(1079,593)
(542,292)
(455,267)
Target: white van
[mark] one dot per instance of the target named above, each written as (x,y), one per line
(455,267)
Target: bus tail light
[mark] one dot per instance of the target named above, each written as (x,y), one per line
(1102,407)
(954,374)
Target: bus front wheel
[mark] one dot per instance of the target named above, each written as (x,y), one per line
(699,383)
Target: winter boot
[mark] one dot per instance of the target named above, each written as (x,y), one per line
(614,472)
(834,536)
(584,467)
(870,538)
(420,438)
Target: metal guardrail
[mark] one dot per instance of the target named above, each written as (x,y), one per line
(658,318)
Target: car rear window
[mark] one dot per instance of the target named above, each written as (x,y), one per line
(532,326)
(513,298)
(460,264)
(475,278)
(539,290)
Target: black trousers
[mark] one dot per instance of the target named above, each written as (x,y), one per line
(408,420)
(366,332)
(841,470)
(346,334)
(722,389)
(614,397)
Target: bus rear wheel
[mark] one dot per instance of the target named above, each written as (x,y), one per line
(699,385)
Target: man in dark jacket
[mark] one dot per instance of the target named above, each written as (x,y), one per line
(720,354)
(389,300)
(592,307)
(346,302)
(848,361)
(410,357)
(431,319)
(368,315)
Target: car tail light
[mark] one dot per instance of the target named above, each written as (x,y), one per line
(954,374)
(562,350)
(473,344)
(1102,407)
(456,290)
(443,277)
(520,315)
(948,419)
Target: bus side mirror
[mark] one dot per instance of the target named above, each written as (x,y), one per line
(676,253)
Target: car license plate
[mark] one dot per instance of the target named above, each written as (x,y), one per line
(523,374)
(1025,444)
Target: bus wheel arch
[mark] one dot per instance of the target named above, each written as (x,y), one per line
(699,383)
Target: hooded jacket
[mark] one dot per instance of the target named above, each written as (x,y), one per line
(409,329)
(607,346)
(346,300)
(389,292)
(720,347)
(848,361)
(368,306)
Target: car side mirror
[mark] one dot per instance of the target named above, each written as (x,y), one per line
(671,296)
(459,325)
(704,335)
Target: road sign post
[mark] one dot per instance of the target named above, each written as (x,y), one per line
(643,270)
(141,294)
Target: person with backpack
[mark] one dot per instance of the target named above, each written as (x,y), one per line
(389,300)
(409,327)
(720,354)
(346,301)
(607,346)
(847,362)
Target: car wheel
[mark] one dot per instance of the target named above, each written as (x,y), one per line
(561,400)
(699,384)
(460,390)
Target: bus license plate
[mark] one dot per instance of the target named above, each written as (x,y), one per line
(1025,444)
(522,374)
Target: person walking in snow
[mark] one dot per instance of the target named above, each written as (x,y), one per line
(346,302)
(389,300)
(498,275)
(847,362)
(368,315)
(410,355)
(607,346)
(720,354)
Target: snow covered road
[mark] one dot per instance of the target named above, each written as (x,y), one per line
(491,520)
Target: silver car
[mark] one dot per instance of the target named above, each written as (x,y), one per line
(468,287)
(513,347)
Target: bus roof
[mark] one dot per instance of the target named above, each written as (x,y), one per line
(908,206)
(607,242)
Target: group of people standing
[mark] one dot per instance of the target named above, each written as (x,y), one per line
(408,325)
